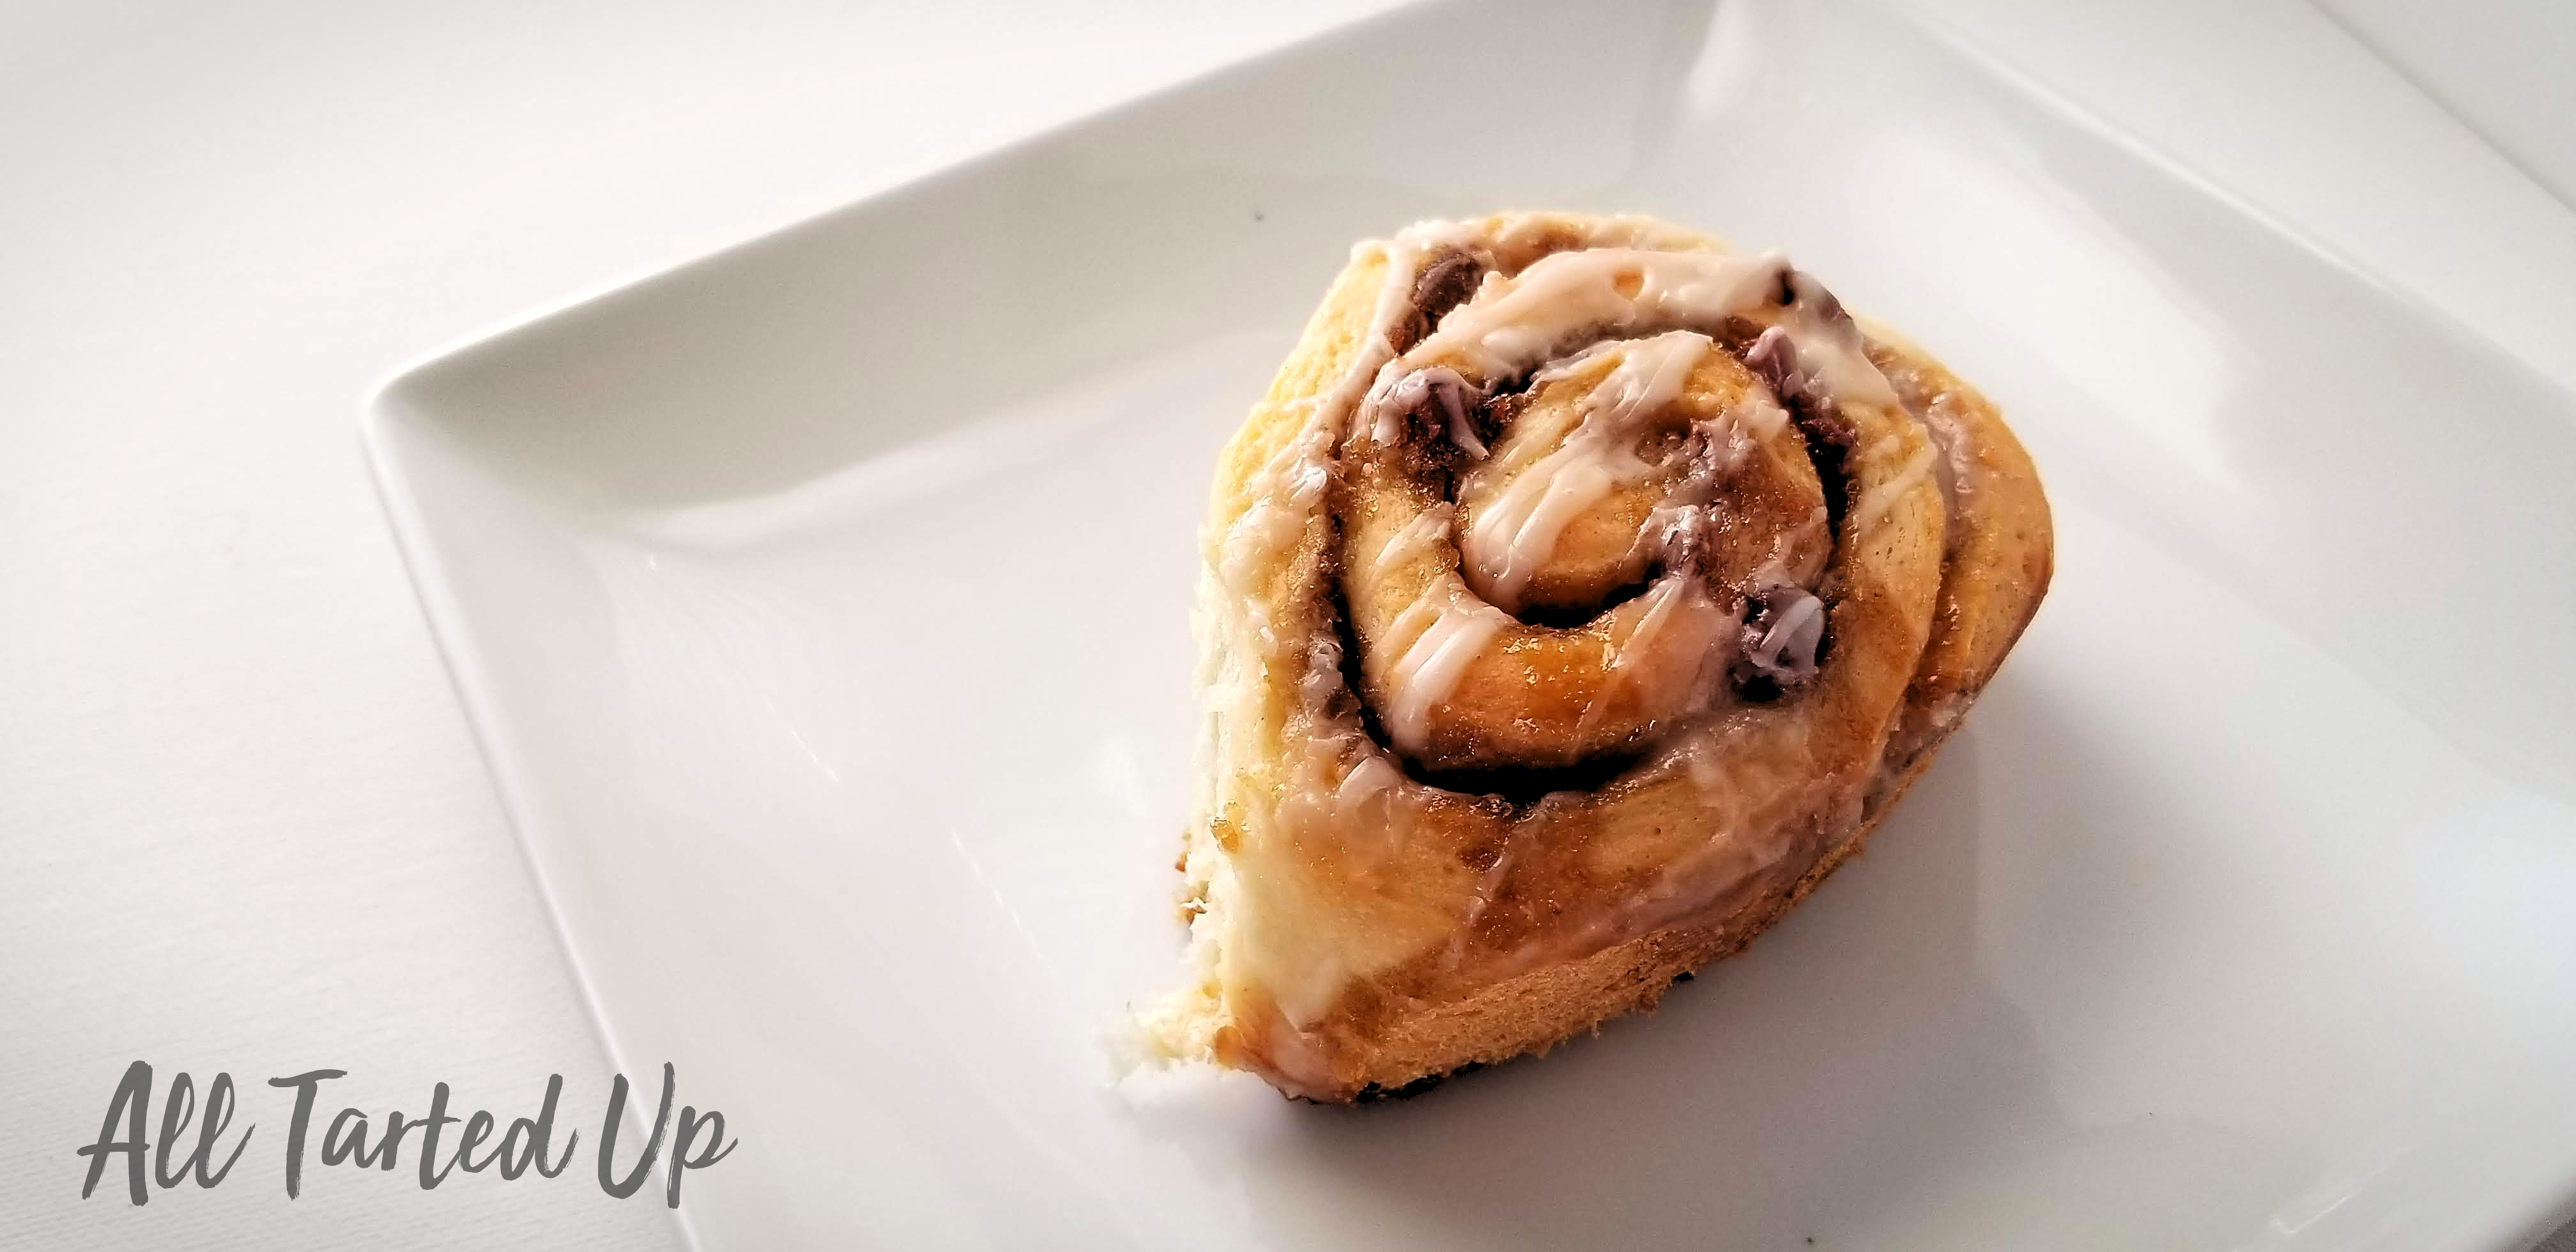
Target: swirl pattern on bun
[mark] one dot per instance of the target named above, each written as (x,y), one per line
(1580,594)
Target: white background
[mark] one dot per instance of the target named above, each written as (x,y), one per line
(242,824)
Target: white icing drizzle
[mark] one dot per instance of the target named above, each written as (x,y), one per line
(1954,465)
(1830,349)
(1436,659)
(1649,375)
(1403,255)
(1488,885)
(1706,773)
(1798,554)
(1425,528)
(1290,482)
(1571,291)
(1795,636)
(1875,502)
(1512,539)
(1395,394)
(1757,415)
(1282,490)
(1663,601)
(1369,778)
(1515,324)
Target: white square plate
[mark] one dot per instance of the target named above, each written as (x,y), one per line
(821,605)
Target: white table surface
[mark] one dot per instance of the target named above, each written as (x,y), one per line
(242,824)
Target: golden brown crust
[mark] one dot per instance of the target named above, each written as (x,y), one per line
(1529,1015)
(2002,560)
(1464,928)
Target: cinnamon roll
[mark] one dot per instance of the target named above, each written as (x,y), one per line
(1578,597)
